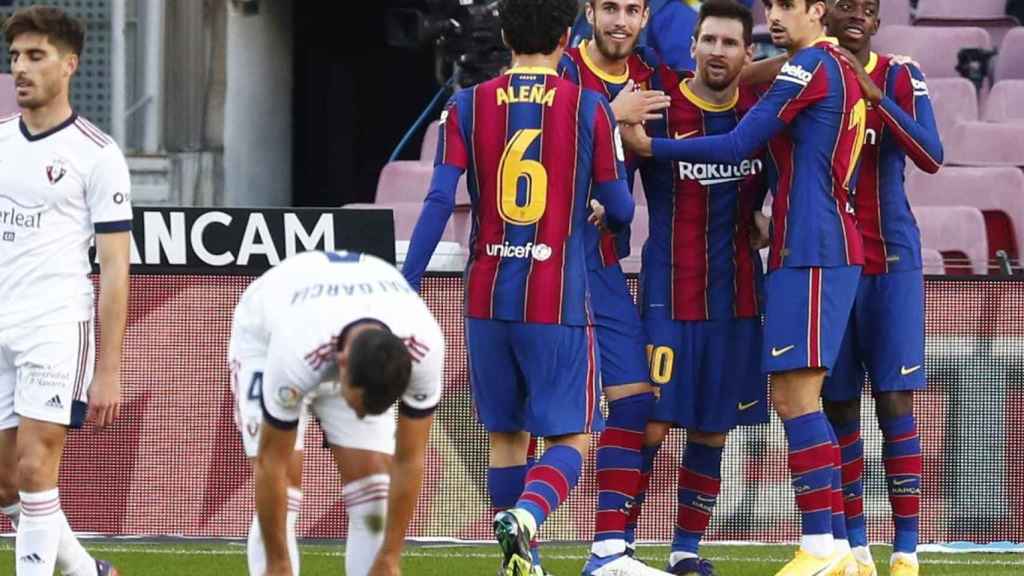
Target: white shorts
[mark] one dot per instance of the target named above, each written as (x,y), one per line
(45,373)
(247,353)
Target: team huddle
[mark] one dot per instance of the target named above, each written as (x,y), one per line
(549,151)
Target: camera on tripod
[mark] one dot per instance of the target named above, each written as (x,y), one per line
(466,35)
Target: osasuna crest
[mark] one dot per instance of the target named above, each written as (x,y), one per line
(56,170)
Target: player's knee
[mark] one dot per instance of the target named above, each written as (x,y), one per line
(36,471)
(842,412)
(892,405)
(655,433)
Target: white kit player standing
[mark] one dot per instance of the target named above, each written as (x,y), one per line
(62,181)
(342,335)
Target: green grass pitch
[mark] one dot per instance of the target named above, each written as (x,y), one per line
(228,559)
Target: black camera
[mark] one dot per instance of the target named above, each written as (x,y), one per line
(466,35)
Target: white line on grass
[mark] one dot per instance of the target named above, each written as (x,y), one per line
(440,554)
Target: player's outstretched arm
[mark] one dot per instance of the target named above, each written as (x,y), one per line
(114,250)
(406,480)
(437,209)
(276,446)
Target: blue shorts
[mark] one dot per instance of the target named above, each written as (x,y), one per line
(709,372)
(806,312)
(542,378)
(885,338)
(620,334)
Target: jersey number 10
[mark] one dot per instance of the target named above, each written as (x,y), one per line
(512,168)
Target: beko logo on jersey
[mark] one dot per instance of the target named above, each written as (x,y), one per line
(795,72)
(708,174)
(539,252)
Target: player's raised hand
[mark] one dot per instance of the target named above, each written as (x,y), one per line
(105,399)
(636,139)
(597,216)
(633,106)
(872,93)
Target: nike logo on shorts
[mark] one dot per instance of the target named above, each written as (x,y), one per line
(743,406)
(904,371)
(776,352)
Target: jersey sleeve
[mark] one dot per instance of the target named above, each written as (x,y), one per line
(670,33)
(424,391)
(907,110)
(287,379)
(568,69)
(608,155)
(451,143)
(802,82)
(108,193)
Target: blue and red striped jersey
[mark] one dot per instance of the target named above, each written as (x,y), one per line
(697,260)
(813,119)
(641,68)
(902,125)
(534,147)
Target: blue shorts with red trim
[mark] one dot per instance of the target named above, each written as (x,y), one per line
(709,372)
(806,312)
(885,338)
(620,334)
(542,378)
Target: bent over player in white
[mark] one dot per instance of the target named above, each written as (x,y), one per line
(343,333)
(61,181)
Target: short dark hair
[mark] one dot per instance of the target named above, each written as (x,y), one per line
(644,2)
(730,9)
(807,4)
(535,26)
(379,364)
(63,31)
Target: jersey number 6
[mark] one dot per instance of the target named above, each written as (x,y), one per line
(513,167)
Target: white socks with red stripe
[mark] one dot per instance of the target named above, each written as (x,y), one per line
(255,551)
(35,549)
(366,502)
(72,559)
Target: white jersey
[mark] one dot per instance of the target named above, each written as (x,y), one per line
(302,305)
(56,189)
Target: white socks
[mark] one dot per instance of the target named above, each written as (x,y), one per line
(256,553)
(863,555)
(35,549)
(820,545)
(679,556)
(366,502)
(72,559)
(842,547)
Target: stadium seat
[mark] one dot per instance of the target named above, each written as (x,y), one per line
(1010,61)
(428,149)
(638,235)
(895,12)
(985,144)
(408,181)
(1004,103)
(932,261)
(639,196)
(997,192)
(935,48)
(8,104)
(954,100)
(957,232)
(987,14)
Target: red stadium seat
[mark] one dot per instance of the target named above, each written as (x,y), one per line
(895,12)
(958,233)
(8,104)
(985,144)
(408,181)
(991,190)
(1010,61)
(932,261)
(935,48)
(954,100)
(1004,103)
(428,149)
(988,14)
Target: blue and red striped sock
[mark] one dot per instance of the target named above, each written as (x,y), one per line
(700,480)
(810,465)
(549,481)
(648,454)
(851,448)
(901,451)
(838,511)
(619,460)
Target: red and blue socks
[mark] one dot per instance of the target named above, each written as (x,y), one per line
(811,457)
(619,460)
(851,449)
(549,481)
(647,456)
(838,512)
(700,481)
(901,452)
